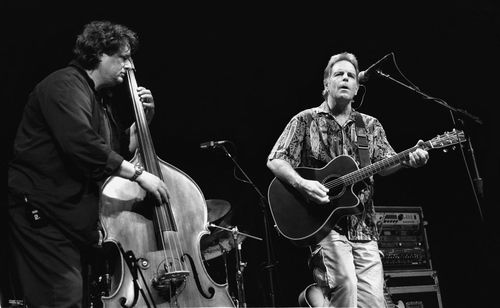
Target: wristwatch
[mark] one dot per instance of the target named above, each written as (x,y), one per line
(138,171)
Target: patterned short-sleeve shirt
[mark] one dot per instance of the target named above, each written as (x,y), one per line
(313,138)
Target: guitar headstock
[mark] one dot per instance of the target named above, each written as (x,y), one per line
(447,139)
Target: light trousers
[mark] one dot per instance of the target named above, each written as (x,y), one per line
(350,273)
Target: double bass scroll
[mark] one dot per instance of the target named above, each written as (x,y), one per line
(157,259)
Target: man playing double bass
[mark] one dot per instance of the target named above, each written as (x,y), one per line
(66,145)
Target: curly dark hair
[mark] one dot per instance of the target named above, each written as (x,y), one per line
(102,37)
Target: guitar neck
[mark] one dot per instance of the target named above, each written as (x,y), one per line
(375,168)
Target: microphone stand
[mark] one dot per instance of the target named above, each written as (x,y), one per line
(476,181)
(264,206)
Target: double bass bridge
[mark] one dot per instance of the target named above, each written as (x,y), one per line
(169,284)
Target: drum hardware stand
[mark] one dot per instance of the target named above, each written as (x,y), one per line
(270,264)
(99,287)
(240,265)
(224,257)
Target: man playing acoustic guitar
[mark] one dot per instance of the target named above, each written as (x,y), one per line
(345,260)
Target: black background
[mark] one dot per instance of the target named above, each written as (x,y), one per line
(239,72)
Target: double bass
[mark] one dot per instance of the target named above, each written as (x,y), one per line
(153,255)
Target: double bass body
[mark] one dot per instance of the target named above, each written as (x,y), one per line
(155,258)
(124,216)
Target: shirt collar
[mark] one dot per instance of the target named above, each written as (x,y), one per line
(325,110)
(81,70)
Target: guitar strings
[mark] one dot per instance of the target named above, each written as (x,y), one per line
(367,171)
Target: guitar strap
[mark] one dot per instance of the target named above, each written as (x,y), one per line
(362,140)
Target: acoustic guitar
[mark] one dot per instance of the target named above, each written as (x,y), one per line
(305,222)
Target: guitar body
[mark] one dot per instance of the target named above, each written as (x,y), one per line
(305,222)
(312,296)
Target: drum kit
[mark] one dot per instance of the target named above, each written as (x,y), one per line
(223,238)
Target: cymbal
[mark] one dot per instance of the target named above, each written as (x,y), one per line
(217,208)
(218,242)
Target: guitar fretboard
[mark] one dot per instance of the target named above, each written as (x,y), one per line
(372,169)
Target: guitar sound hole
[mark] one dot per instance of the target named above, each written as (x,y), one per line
(337,189)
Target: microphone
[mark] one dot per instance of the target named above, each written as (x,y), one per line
(364,75)
(212,144)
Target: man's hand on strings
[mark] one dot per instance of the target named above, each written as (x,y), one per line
(148,102)
(419,157)
(314,191)
(154,185)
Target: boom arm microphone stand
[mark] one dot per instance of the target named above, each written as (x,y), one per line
(476,181)
(264,206)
